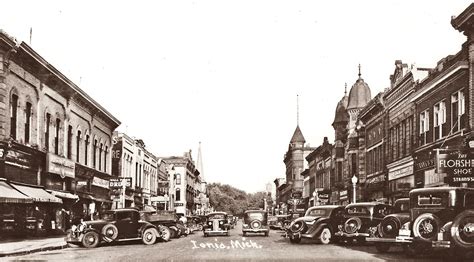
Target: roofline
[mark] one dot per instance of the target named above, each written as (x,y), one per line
(67,81)
(458,21)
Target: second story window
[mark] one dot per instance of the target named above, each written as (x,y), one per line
(458,111)
(178,179)
(46,131)
(13,115)
(27,122)
(69,142)
(94,153)
(78,145)
(424,127)
(178,194)
(439,118)
(86,149)
(56,136)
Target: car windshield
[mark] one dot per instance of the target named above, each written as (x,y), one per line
(318,212)
(217,216)
(108,216)
(256,215)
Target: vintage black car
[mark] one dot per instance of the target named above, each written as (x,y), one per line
(440,218)
(361,220)
(282,222)
(255,221)
(216,224)
(319,222)
(165,221)
(230,220)
(115,225)
(388,229)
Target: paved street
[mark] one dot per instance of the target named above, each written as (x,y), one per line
(235,247)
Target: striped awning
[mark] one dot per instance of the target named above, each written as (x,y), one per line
(38,194)
(8,194)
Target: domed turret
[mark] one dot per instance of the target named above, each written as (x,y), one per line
(341,115)
(359,95)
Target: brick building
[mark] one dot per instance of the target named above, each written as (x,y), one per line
(52,135)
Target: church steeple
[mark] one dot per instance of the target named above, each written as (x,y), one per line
(199,162)
(297,135)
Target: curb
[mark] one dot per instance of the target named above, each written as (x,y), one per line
(26,252)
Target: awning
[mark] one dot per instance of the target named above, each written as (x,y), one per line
(8,194)
(63,194)
(38,193)
(102,200)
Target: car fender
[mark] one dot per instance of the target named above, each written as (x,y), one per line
(145,227)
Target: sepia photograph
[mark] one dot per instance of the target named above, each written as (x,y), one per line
(220,130)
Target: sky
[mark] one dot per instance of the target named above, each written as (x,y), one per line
(227,73)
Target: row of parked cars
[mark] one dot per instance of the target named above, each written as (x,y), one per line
(220,223)
(430,219)
(129,224)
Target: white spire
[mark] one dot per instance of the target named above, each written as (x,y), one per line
(199,163)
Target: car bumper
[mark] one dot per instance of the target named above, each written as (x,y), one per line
(211,232)
(351,235)
(401,240)
(255,230)
(441,244)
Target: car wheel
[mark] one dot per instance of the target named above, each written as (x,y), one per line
(382,247)
(165,233)
(462,230)
(109,233)
(90,240)
(149,236)
(295,240)
(426,227)
(325,236)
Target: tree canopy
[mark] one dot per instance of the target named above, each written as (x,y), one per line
(223,197)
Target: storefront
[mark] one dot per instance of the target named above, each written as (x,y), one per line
(401,179)
(13,207)
(343,197)
(425,170)
(44,215)
(375,188)
(21,163)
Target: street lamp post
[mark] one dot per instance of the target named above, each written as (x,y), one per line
(354,182)
(314,197)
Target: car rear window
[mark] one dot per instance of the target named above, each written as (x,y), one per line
(360,210)
(431,199)
(318,212)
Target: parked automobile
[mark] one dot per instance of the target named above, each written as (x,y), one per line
(272,222)
(440,218)
(191,224)
(389,228)
(282,222)
(114,225)
(255,221)
(217,224)
(319,222)
(361,220)
(166,221)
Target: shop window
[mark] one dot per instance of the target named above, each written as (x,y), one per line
(27,122)
(439,118)
(13,116)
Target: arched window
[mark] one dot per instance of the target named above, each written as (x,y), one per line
(100,156)
(69,142)
(56,136)
(78,145)
(46,131)
(13,115)
(178,194)
(105,158)
(94,153)
(27,122)
(86,148)
(178,179)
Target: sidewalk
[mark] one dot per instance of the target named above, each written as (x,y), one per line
(15,247)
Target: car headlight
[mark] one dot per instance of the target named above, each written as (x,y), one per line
(81,227)
(221,222)
(209,223)
(245,225)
